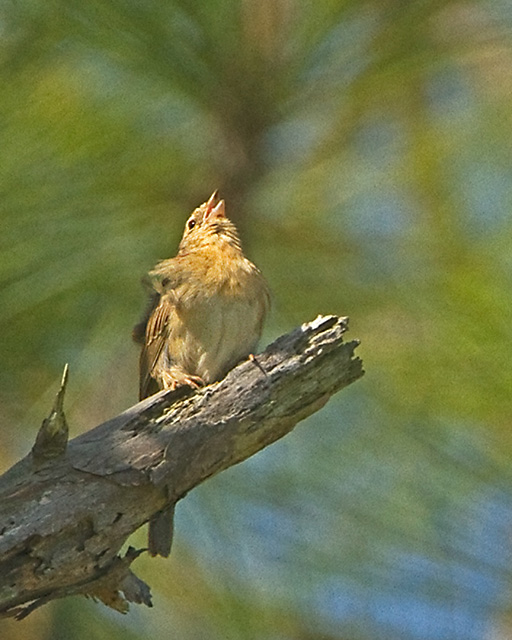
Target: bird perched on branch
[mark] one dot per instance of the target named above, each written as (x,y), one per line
(206,313)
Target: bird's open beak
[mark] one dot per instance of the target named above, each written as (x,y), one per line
(219,211)
(212,201)
(215,208)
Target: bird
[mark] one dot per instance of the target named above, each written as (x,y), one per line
(206,310)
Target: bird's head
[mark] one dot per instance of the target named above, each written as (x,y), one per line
(208,224)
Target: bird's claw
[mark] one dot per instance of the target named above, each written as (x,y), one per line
(173,380)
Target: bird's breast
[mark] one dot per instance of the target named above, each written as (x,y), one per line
(220,322)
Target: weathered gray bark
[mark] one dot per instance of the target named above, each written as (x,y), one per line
(66,512)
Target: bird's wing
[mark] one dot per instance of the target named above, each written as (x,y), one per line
(156,335)
(139,330)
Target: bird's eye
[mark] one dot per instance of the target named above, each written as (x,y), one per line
(191,224)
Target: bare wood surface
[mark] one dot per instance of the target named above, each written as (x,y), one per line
(65,511)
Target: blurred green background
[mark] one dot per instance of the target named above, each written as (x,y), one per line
(364,149)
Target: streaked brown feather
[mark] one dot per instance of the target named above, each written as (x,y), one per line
(156,336)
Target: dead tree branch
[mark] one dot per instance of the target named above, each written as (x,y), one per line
(67,508)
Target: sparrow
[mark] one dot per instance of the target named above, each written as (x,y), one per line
(205,314)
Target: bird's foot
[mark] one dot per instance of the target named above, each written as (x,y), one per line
(173,379)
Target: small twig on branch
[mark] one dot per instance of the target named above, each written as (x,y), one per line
(52,438)
(67,508)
